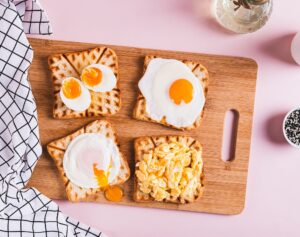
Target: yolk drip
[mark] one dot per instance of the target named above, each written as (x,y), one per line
(100,176)
(91,76)
(71,88)
(181,90)
(113,194)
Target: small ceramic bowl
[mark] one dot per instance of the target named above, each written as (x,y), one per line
(295,48)
(291,127)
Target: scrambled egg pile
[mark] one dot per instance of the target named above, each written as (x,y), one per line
(170,172)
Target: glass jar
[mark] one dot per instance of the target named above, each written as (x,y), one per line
(243,16)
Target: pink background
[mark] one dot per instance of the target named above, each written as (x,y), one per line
(273,191)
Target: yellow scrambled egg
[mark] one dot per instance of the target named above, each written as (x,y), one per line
(170,172)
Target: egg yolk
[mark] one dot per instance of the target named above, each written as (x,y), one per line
(91,76)
(113,194)
(71,88)
(100,176)
(181,90)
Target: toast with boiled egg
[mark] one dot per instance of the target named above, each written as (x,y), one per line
(85,83)
(168,169)
(172,93)
(89,160)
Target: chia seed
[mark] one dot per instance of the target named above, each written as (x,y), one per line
(292,127)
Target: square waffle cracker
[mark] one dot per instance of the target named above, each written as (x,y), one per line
(143,145)
(140,107)
(71,65)
(57,149)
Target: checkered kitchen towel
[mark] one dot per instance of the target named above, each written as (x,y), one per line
(24,212)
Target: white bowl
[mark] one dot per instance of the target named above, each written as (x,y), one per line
(284,131)
(295,48)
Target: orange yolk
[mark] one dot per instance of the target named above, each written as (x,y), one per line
(71,88)
(181,90)
(113,194)
(91,76)
(100,176)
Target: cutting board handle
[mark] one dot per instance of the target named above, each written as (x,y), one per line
(230,128)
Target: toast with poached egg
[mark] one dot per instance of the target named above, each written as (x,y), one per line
(79,185)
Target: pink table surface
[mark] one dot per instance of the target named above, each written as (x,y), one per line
(273,190)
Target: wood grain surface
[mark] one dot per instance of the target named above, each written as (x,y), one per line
(232,86)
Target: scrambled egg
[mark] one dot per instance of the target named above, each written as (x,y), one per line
(170,172)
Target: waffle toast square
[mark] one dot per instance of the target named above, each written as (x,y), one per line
(71,65)
(198,70)
(57,149)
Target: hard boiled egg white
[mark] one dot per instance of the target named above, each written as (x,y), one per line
(98,78)
(74,95)
(172,92)
(92,161)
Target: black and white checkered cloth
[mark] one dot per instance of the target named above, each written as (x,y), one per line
(24,212)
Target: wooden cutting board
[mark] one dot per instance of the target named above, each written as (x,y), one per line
(232,86)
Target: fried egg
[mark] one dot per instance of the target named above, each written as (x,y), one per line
(92,161)
(172,92)
(98,78)
(74,95)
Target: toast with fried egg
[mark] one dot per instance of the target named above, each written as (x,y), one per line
(71,65)
(57,150)
(158,159)
(198,70)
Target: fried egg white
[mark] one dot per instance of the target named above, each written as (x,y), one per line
(98,78)
(172,92)
(74,95)
(92,161)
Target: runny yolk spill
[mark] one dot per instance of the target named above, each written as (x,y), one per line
(181,90)
(100,176)
(71,88)
(91,76)
(113,193)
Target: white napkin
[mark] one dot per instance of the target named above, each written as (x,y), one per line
(24,212)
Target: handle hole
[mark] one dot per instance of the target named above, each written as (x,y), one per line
(229,135)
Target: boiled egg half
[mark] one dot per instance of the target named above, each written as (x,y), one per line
(74,94)
(98,78)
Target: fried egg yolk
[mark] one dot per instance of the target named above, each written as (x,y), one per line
(100,176)
(91,76)
(180,91)
(71,88)
(113,194)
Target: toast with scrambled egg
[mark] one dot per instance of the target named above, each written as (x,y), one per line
(57,149)
(168,169)
(71,65)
